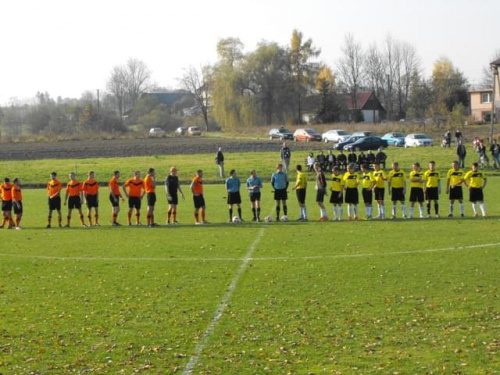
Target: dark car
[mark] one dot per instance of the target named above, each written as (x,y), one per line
(280,133)
(352,139)
(367,143)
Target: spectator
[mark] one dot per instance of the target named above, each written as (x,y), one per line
(310,162)
(219,160)
(458,136)
(330,160)
(461,153)
(342,160)
(381,158)
(495,153)
(286,155)
(321,159)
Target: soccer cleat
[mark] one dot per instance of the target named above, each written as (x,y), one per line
(138,224)
(84,226)
(116,224)
(198,223)
(48,226)
(66,226)
(19,228)
(462,215)
(393,217)
(323,219)
(475,215)
(450,215)
(97,225)
(175,222)
(405,217)
(437,216)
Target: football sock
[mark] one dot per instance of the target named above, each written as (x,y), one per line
(231,214)
(18,221)
(69,220)
(114,217)
(393,210)
(148,219)
(403,209)
(169,214)
(348,210)
(436,208)
(239,212)
(341,212)
(196,217)
(258,213)
(411,211)
(96,216)
(254,212)
(305,212)
(428,208)
(461,207)
(49,219)
(129,217)
(277,212)
(285,209)
(90,219)
(483,208)
(203,214)
(137,217)
(355,210)
(451,209)
(81,219)
(59,220)
(474,209)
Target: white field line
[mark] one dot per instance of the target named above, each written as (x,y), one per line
(193,360)
(258,259)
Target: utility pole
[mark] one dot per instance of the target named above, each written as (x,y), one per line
(494,70)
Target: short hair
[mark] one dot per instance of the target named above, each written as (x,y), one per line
(455,161)
(298,167)
(91,172)
(6,179)
(364,166)
(199,171)
(475,164)
(432,162)
(151,170)
(417,164)
(116,172)
(335,168)
(53,173)
(232,171)
(16,180)
(173,168)
(279,165)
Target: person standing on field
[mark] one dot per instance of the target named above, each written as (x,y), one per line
(6,190)
(300,190)
(17,202)
(150,190)
(172,186)
(432,188)
(475,180)
(54,187)
(75,194)
(114,197)
(199,201)
(495,153)
(367,184)
(454,181)
(336,196)
(135,193)
(286,155)
(416,189)
(233,194)
(321,192)
(380,178)
(397,189)
(90,190)
(351,181)
(254,184)
(461,153)
(219,160)
(280,182)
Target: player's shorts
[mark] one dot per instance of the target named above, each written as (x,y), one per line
(351,196)
(320,195)
(431,194)
(336,197)
(18,208)
(476,195)
(301,195)
(115,200)
(416,195)
(456,193)
(367,196)
(173,198)
(92,201)
(151,199)
(397,194)
(234,198)
(134,202)
(280,195)
(74,202)
(379,194)
(255,197)
(7,205)
(199,201)
(55,203)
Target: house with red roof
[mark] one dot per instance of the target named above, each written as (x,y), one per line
(365,106)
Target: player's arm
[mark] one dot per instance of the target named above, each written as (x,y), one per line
(124,188)
(439,186)
(180,191)
(192,187)
(65,197)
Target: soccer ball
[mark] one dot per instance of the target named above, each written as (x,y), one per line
(284,218)
(236,219)
(268,219)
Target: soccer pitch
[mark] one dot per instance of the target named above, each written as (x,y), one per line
(414,296)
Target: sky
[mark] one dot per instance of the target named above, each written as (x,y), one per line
(68,47)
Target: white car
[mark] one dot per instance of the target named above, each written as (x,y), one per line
(157,132)
(418,140)
(335,136)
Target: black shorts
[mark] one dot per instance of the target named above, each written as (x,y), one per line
(351,196)
(92,201)
(379,194)
(199,201)
(336,197)
(367,196)
(151,199)
(18,208)
(320,195)
(7,205)
(173,198)
(134,202)
(397,194)
(74,202)
(431,194)
(476,195)
(115,200)
(280,195)
(234,198)
(416,195)
(301,195)
(255,197)
(456,193)
(55,203)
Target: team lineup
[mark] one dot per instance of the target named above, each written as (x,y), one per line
(343,188)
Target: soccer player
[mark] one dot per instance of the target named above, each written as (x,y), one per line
(199,201)
(432,188)
(380,177)
(454,181)
(75,194)
(367,184)
(254,184)
(336,196)
(149,189)
(17,202)
(172,186)
(286,155)
(54,187)
(114,197)
(233,194)
(397,189)
(280,182)
(90,189)
(6,194)
(416,189)
(321,192)
(351,181)
(300,190)
(475,181)
(135,193)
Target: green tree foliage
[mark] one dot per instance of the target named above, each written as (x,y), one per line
(329,108)
(448,84)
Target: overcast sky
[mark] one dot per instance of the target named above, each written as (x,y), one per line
(67,47)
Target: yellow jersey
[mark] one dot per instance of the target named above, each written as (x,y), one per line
(367,180)
(351,180)
(397,178)
(455,177)
(301,182)
(416,175)
(336,184)
(431,178)
(380,177)
(476,179)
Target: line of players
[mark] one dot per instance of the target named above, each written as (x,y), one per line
(424,187)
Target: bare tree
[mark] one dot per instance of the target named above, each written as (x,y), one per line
(375,69)
(117,86)
(197,82)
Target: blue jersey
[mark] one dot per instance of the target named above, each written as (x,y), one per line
(279,180)
(233,184)
(256,183)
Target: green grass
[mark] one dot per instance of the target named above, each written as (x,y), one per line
(377,297)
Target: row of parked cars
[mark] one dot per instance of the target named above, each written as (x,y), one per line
(181,130)
(359,141)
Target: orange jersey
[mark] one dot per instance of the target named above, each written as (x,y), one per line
(197,185)
(134,187)
(6,191)
(16,194)
(54,187)
(74,188)
(90,187)
(149,184)
(114,186)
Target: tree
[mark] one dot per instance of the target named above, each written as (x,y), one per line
(198,83)
(230,51)
(374,69)
(329,108)
(448,84)
(117,86)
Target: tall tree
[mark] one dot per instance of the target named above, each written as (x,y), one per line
(449,84)
(117,86)
(198,83)
(329,107)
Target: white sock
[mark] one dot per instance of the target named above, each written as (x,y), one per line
(382,210)
(323,212)
(483,208)
(411,211)
(334,212)
(348,210)
(461,207)
(393,210)
(474,210)
(421,210)
(451,208)
(341,212)
(355,210)
(305,212)
(403,209)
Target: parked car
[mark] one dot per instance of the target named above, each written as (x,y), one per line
(156,132)
(335,136)
(367,143)
(352,139)
(181,130)
(194,130)
(306,135)
(418,140)
(280,133)
(395,139)
(364,134)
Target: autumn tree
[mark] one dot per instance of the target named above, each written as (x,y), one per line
(199,84)
(329,107)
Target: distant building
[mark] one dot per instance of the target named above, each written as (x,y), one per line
(366,102)
(481,104)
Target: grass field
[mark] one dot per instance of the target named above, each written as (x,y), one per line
(369,297)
